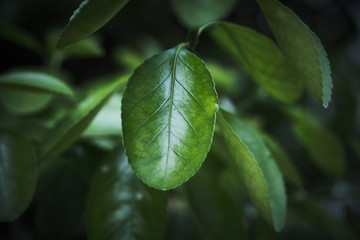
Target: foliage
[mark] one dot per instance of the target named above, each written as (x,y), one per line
(213,138)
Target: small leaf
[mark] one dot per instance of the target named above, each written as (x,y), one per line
(88,18)
(287,168)
(19,37)
(71,126)
(195,13)
(20,102)
(18,173)
(168,115)
(261,58)
(258,170)
(324,148)
(122,207)
(34,82)
(107,121)
(302,48)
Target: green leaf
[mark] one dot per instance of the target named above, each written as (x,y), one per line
(121,207)
(34,82)
(324,148)
(65,133)
(302,48)
(20,102)
(88,18)
(168,108)
(258,170)
(19,37)
(287,168)
(261,58)
(205,194)
(195,13)
(107,121)
(225,78)
(18,173)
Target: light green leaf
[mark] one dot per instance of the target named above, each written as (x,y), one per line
(107,121)
(18,173)
(88,18)
(34,82)
(225,78)
(287,168)
(302,48)
(195,13)
(21,102)
(324,148)
(19,37)
(258,170)
(65,133)
(261,58)
(122,207)
(168,108)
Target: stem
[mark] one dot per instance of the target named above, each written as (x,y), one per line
(193,35)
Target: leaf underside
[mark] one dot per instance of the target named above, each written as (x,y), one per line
(302,48)
(168,115)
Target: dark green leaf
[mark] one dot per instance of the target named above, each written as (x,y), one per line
(19,37)
(34,82)
(259,172)
(88,18)
(287,168)
(302,48)
(261,58)
(107,121)
(195,13)
(324,148)
(71,126)
(18,173)
(168,114)
(215,212)
(122,207)
(23,102)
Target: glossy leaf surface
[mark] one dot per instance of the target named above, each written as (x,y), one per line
(261,58)
(122,207)
(302,48)
(195,13)
(324,148)
(259,172)
(34,82)
(287,168)
(88,18)
(18,174)
(168,108)
(71,126)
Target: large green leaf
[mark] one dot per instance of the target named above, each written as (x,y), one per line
(71,126)
(195,13)
(261,58)
(168,115)
(20,37)
(324,148)
(34,82)
(88,18)
(259,172)
(122,207)
(302,48)
(287,168)
(18,173)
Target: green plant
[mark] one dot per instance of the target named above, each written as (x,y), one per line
(68,138)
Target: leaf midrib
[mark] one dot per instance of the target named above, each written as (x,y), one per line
(173,76)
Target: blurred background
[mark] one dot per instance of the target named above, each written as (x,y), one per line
(145,27)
